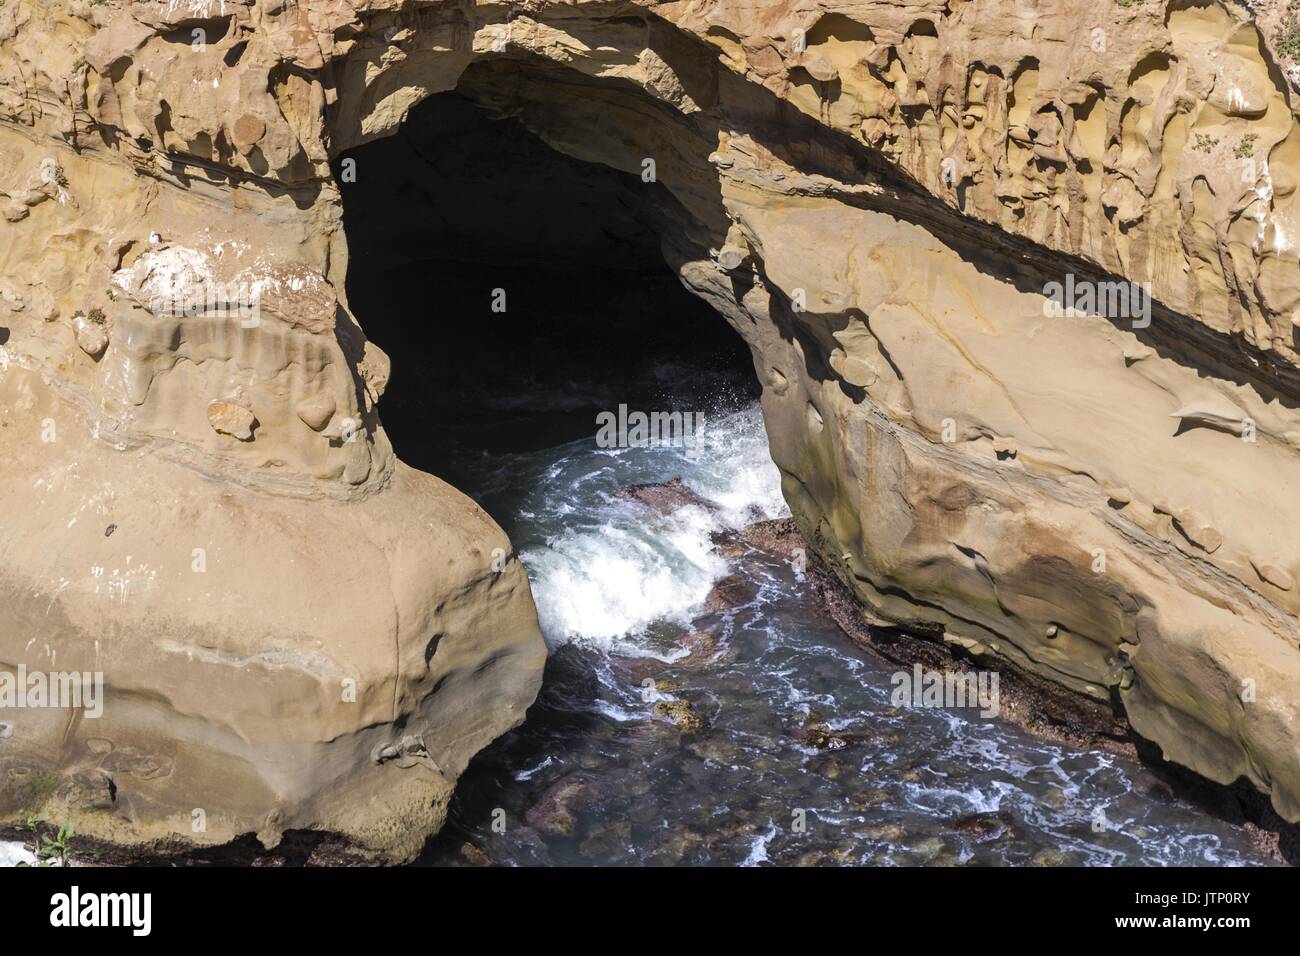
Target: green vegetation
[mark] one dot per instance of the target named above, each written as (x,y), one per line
(1246,147)
(49,850)
(1288,42)
(1204,143)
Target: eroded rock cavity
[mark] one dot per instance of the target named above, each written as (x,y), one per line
(298,631)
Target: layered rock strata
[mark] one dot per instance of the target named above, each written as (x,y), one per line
(887,201)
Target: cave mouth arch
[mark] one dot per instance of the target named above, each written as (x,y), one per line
(519,291)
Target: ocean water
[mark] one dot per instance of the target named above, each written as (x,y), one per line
(595,776)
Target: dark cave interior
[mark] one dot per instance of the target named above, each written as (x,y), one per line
(460,211)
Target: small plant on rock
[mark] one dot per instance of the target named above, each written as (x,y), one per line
(1288,41)
(49,850)
(1246,148)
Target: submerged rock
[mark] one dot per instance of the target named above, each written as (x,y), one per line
(704,644)
(985,826)
(729,593)
(681,713)
(823,738)
(667,497)
(472,855)
(554,812)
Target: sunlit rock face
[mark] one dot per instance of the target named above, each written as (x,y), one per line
(1019,279)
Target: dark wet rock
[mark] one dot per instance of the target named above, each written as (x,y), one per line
(645,813)
(608,842)
(823,738)
(729,593)
(593,760)
(1054,797)
(1160,792)
(636,670)
(702,644)
(665,685)
(984,826)
(870,797)
(1053,857)
(818,734)
(778,536)
(927,848)
(884,833)
(554,811)
(665,497)
(816,858)
(471,855)
(522,846)
(682,845)
(832,767)
(720,748)
(762,763)
(681,713)
(620,784)
(728,543)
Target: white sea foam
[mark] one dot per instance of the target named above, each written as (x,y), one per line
(13,853)
(606,583)
(758,848)
(736,471)
(616,580)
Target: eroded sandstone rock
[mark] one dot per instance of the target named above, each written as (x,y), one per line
(888,189)
(91,336)
(231,418)
(316,410)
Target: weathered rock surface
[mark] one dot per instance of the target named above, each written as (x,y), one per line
(260,651)
(666,497)
(877,196)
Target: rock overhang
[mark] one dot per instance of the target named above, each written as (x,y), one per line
(874,196)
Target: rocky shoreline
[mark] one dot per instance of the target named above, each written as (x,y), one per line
(886,202)
(1043,709)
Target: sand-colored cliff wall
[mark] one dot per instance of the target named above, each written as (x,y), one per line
(878,196)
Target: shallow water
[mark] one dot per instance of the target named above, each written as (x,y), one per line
(594,777)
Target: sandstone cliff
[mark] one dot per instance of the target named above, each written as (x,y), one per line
(878,196)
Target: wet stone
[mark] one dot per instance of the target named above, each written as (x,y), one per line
(681,713)
(983,826)
(666,497)
(553,814)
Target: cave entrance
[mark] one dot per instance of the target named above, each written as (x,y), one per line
(520,292)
